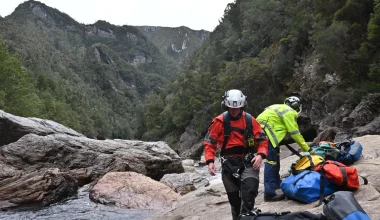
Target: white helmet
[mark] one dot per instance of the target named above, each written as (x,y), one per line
(294,102)
(233,99)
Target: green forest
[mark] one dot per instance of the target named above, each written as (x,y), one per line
(84,76)
(92,78)
(258,46)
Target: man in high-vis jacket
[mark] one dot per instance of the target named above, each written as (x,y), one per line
(243,146)
(278,121)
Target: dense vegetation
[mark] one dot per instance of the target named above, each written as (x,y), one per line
(91,78)
(110,81)
(259,46)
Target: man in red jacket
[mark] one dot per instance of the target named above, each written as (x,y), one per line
(243,147)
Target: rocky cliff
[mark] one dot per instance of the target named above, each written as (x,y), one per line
(179,42)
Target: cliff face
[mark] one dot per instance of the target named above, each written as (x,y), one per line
(179,43)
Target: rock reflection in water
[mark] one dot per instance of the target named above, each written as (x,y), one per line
(81,208)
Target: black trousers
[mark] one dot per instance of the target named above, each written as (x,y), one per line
(241,191)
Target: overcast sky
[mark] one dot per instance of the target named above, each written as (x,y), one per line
(195,14)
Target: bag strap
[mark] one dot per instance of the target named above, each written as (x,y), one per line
(322,187)
(312,165)
(365,180)
(293,150)
(273,213)
(322,180)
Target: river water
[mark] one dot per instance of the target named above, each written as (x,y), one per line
(82,208)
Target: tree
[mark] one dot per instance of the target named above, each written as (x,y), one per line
(17,91)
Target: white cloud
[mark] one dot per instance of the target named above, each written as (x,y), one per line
(195,14)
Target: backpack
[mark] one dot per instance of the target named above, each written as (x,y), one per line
(247,132)
(342,205)
(346,178)
(353,150)
(307,162)
(306,186)
(305,215)
(328,151)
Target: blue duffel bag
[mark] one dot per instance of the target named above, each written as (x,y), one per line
(353,151)
(305,186)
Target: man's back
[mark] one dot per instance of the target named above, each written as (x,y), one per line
(276,121)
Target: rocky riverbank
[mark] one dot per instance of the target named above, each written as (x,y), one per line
(48,171)
(211,202)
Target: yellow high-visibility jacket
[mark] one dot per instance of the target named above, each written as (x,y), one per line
(279,120)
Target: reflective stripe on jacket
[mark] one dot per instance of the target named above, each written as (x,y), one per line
(279,120)
(215,136)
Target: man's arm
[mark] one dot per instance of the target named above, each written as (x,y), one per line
(210,143)
(261,139)
(290,122)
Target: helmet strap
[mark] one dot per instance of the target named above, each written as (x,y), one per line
(300,109)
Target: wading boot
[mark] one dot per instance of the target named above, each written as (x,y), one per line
(275,198)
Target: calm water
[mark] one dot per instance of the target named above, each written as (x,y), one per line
(81,208)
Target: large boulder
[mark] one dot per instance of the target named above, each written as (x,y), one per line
(190,145)
(14,127)
(348,121)
(133,191)
(36,188)
(367,110)
(371,128)
(88,159)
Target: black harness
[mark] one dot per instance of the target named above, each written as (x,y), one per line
(247,132)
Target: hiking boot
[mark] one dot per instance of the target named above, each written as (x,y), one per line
(254,212)
(275,198)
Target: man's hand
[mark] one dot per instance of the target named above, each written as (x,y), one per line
(211,169)
(312,152)
(256,162)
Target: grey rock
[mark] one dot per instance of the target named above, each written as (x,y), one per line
(366,110)
(184,182)
(88,159)
(371,128)
(190,145)
(36,188)
(14,127)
